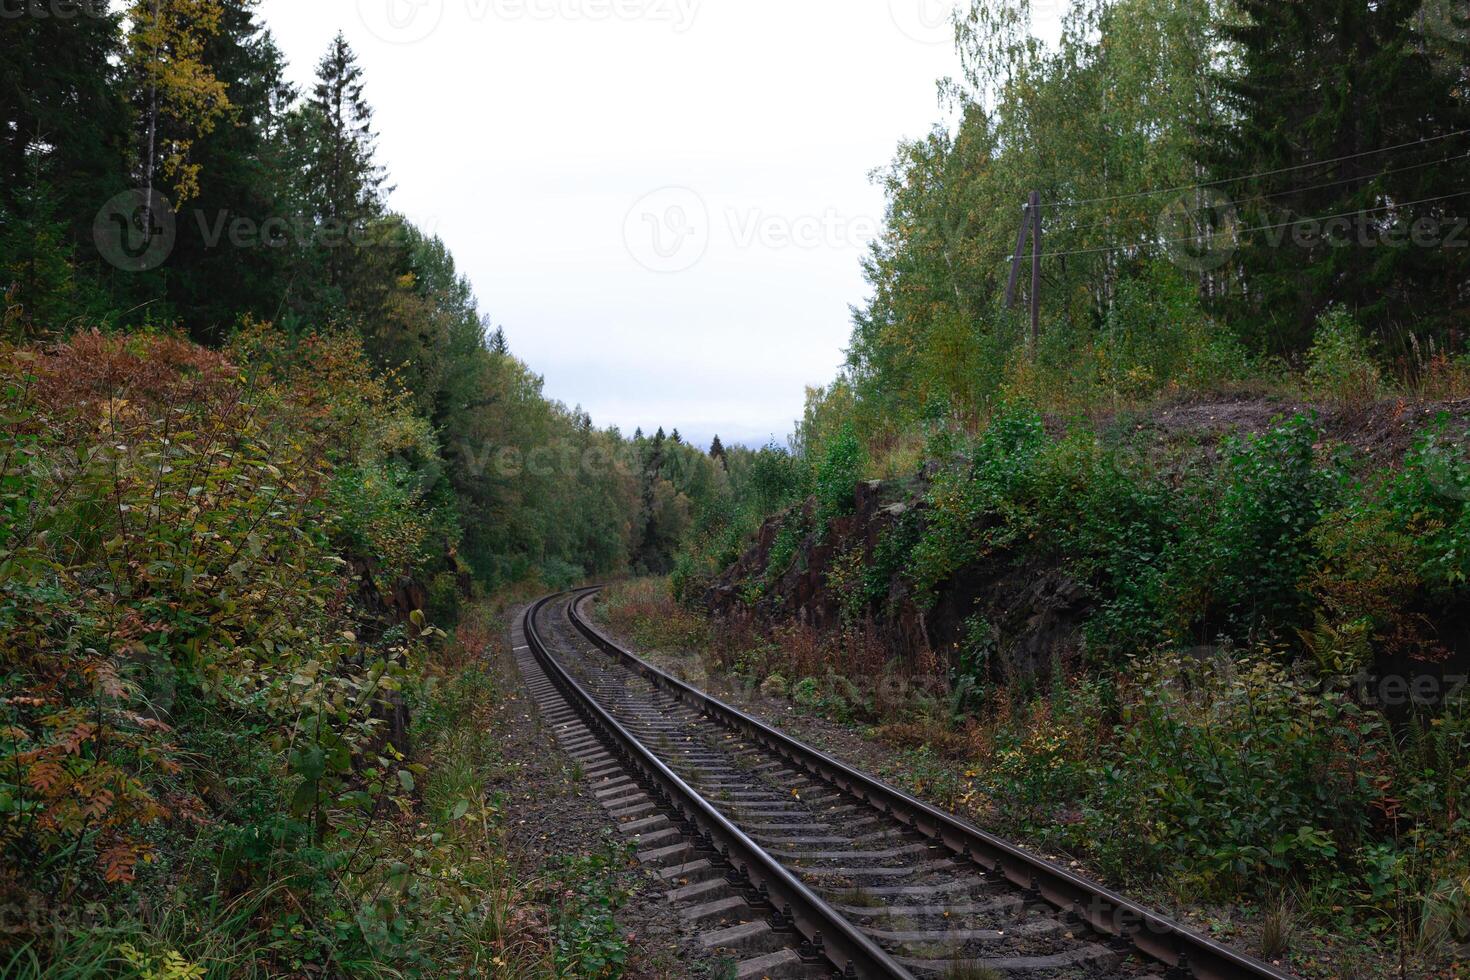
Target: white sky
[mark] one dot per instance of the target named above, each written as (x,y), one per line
(540,140)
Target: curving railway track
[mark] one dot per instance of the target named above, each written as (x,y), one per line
(791,864)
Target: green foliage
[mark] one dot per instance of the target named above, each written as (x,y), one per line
(981,505)
(642,610)
(1429,501)
(773,479)
(837,476)
(1156,337)
(1340,364)
(204,707)
(1246,776)
(832,697)
(588,941)
(1231,775)
(794,528)
(1273,494)
(971,675)
(1283,79)
(746,489)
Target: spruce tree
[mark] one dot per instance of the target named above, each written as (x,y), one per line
(349,182)
(64,151)
(717,451)
(1320,89)
(341,185)
(234,248)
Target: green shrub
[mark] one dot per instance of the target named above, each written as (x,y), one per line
(1273,495)
(1340,363)
(983,504)
(1150,333)
(1124,530)
(1246,770)
(1429,502)
(847,577)
(794,528)
(775,480)
(589,943)
(837,476)
(970,676)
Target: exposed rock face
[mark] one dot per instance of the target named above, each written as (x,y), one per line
(1035,609)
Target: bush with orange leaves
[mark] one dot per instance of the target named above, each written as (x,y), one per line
(169,533)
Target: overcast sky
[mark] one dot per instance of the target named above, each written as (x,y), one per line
(664,202)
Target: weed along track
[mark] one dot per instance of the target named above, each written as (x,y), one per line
(794,865)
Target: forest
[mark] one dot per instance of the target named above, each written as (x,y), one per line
(263,458)
(271,480)
(1174,585)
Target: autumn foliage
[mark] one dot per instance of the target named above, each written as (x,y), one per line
(171,556)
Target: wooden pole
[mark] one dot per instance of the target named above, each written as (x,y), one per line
(1016,259)
(1035,208)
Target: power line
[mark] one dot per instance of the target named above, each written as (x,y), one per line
(1245,231)
(1294,190)
(1263,173)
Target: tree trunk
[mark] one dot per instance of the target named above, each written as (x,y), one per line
(152,151)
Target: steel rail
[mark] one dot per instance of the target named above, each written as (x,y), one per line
(1155,936)
(823,931)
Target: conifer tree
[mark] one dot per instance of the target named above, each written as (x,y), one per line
(65,136)
(1320,93)
(350,182)
(233,255)
(341,184)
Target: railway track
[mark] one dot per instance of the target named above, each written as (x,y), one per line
(792,864)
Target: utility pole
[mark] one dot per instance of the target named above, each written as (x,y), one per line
(1030,224)
(1035,272)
